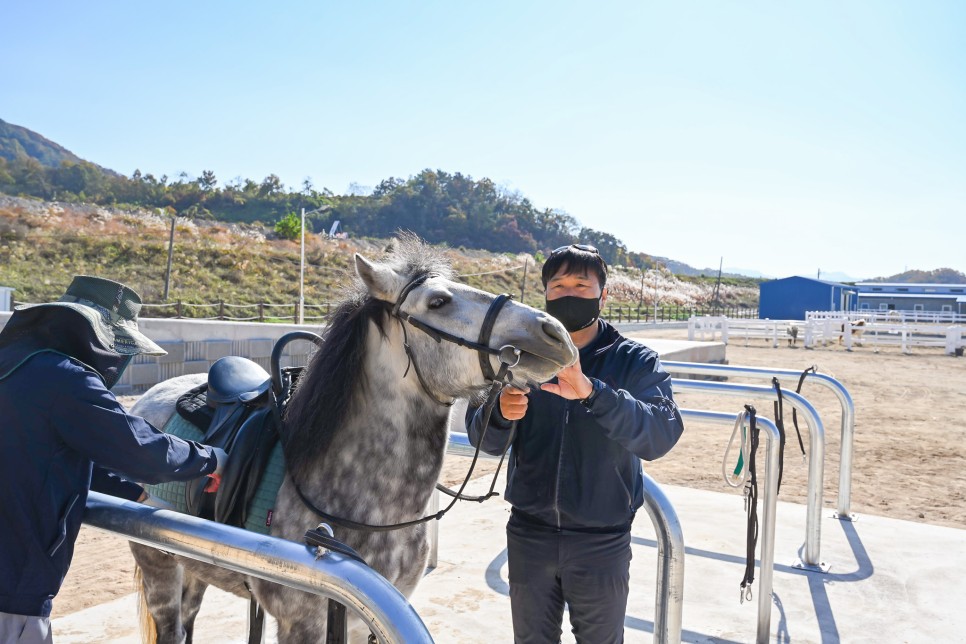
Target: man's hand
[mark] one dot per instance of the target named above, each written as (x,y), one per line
(222,457)
(154,502)
(513,402)
(571,383)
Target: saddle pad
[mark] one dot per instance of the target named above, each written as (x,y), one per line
(263,502)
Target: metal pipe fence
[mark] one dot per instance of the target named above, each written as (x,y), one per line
(627,313)
(370,596)
(845,400)
(816,455)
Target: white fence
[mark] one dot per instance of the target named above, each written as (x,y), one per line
(828,328)
(873,315)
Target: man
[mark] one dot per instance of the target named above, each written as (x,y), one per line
(58,362)
(574,479)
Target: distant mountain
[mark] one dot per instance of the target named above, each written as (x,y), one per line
(17,141)
(937,276)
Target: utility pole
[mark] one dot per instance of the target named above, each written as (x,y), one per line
(302,271)
(640,303)
(523,286)
(167,273)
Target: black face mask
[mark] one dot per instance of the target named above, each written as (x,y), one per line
(575,313)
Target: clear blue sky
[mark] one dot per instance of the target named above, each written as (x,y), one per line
(786,137)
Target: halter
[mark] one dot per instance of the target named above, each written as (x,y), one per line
(509,356)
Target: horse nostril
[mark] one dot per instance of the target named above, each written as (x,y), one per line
(555,331)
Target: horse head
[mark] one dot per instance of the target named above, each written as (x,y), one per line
(459,336)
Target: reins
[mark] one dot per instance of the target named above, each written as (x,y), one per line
(509,357)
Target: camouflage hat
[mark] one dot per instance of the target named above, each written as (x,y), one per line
(112,310)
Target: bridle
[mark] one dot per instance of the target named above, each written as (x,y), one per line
(509,357)
(508,354)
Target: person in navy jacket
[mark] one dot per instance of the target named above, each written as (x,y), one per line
(62,432)
(574,478)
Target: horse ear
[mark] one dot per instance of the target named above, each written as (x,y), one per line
(379,279)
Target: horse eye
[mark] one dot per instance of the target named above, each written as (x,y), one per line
(439,302)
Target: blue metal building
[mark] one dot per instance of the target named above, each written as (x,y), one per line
(788,298)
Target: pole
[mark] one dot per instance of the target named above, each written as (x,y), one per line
(167,273)
(302,272)
(523,286)
(640,303)
(655,293)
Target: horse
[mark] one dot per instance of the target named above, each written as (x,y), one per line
(392,360)
(792,332)
(856,328)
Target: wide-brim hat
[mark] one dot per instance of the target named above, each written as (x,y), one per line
(112,310)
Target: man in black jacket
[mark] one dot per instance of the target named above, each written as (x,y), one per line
(58,417)
(574,479)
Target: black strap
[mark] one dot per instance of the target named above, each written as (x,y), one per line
(780,424)
(751,506)
(486,330)
(492,399)
(798,390)
(319,539)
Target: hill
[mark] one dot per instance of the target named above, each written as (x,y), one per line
(937,276)
(444,207)
(43,244)
(17,142)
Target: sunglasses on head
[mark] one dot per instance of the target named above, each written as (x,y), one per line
(587,248)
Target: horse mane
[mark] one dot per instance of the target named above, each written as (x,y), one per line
(321,400)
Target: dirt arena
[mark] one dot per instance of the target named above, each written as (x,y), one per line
(909,463)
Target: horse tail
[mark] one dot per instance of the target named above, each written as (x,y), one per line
(149,630)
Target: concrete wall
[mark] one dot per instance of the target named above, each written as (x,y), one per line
(192,346)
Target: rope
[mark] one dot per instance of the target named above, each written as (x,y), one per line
(737,477)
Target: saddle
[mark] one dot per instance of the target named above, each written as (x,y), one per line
(236,412)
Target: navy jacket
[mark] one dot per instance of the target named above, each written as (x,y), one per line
(56,417)
(577,468)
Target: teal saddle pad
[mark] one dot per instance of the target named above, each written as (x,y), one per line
(262,505)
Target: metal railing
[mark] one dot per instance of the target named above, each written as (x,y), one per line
(766,535)
(845,400)
(816,455)
(362,590)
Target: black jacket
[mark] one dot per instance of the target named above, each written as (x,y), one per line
(56,417)
(576,467)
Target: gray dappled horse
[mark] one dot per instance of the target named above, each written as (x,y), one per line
(364,438)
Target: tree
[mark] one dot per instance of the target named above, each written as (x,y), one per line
(290,226)
(207,180)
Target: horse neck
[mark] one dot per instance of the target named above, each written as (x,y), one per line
(386,458)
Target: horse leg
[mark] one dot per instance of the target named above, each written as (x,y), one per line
(192,592)
(161,587)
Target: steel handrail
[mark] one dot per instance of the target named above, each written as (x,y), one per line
(377,602)
(816,458)
(766,535)
(845,399)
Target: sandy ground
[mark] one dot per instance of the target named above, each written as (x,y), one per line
(910,448)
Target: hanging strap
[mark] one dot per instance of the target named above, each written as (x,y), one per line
(798,390)
(751,508)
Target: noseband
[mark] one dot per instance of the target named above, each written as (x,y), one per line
(508,354)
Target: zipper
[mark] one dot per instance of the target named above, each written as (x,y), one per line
(556,491)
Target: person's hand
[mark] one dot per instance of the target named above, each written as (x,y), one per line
(513,402)
(222,457)
(155,502)
(571,383)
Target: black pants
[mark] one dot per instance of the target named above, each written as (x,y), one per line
(590,572)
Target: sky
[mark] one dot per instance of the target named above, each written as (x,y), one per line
(779,137)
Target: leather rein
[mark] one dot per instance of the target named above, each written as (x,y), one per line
(509,357)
